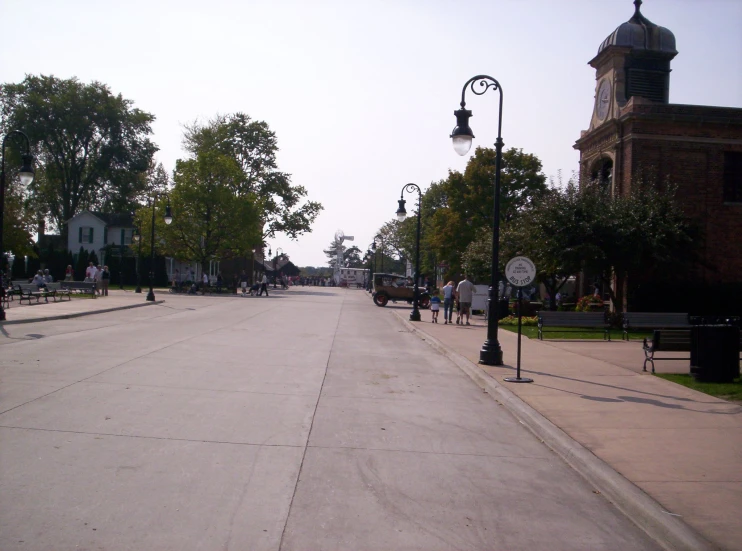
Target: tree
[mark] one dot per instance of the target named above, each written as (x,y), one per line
(91,147)
(253,146)
(573,229)
(458,209)
(211,220)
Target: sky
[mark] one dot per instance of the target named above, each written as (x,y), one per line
(361,94)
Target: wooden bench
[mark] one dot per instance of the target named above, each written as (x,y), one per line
(666,340)
(57,292)
(578,321)
(653,320)
(80,287)
(27,291)
(669,340)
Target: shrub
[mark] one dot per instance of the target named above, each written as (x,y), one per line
(525,321)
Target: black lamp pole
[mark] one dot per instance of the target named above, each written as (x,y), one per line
(491,352)
(26,175)
(381,238)
(139,256)
(401,215)
(370,284)
(275,266)
(168,220)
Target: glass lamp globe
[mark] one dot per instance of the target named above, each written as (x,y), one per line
(462,144)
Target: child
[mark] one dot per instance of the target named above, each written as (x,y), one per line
(458,311)
(435,306)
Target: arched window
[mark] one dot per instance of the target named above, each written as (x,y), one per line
(602,173)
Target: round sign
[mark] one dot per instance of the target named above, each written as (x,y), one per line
(520,271)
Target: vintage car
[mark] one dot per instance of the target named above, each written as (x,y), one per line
(397,288)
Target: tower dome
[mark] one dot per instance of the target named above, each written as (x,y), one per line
(639,33)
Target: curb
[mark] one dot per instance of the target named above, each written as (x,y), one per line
(669,532)
(80,314)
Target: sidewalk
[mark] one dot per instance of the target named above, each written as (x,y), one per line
(681,447)
(78,306)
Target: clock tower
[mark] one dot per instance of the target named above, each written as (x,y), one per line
(636,135)
(632,66)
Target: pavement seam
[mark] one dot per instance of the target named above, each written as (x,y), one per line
(650,516)
(311,426)
(145,437)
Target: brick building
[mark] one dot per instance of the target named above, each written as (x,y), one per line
(636,133)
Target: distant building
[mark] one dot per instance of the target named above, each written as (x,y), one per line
(93,231)
(636,133)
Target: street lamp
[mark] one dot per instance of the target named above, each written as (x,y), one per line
(372,269)
(373,248)
(26,175)
(275,268)
(168,220)
(401,215)
(137,238)
(491,352)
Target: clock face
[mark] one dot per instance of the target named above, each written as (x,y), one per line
(603,99)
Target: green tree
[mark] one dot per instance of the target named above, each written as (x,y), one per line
(211,220)
(571,229)
(91,146)
(253,145)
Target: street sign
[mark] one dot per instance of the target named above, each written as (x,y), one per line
(520,271)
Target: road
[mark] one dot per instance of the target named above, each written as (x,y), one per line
(307,420)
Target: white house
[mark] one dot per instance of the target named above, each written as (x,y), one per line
(93,231)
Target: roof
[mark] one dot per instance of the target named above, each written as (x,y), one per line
(124,220)
(639,33)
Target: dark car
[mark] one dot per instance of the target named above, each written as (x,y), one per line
(397,288)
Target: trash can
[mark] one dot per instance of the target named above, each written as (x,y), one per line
(714,354)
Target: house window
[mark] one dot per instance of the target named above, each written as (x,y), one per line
(733,177)
(86,234)
(127,236)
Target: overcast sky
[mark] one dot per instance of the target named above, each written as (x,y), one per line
(361,94)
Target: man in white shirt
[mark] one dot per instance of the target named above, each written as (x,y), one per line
(263,285)
(465,291)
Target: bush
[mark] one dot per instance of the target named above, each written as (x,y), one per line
(525,321)
(589,303)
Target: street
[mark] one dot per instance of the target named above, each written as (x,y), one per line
(307,420)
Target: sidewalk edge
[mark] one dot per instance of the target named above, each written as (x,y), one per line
(80,314)
(670,532)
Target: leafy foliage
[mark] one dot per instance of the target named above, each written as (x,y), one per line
(91,146)
(253,146)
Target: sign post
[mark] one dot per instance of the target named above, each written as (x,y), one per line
(520,272)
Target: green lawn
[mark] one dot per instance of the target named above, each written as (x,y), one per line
(725,391)
(575,334)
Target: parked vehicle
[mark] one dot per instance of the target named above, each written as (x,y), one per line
(392,287)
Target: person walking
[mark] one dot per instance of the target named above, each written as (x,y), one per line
(98,279)
(435,306)
(448,295)
(69,274)
(243,283)
(465,291)
(263,285)
(105,279)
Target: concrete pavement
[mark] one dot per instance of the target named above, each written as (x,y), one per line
(681,447)
(307,420)
(76,307)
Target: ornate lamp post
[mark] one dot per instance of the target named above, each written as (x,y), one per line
(137,238)
(491,352)
(275,266)
(373,248)
(168,220)
(26,175)
(401,215)
(370,256)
